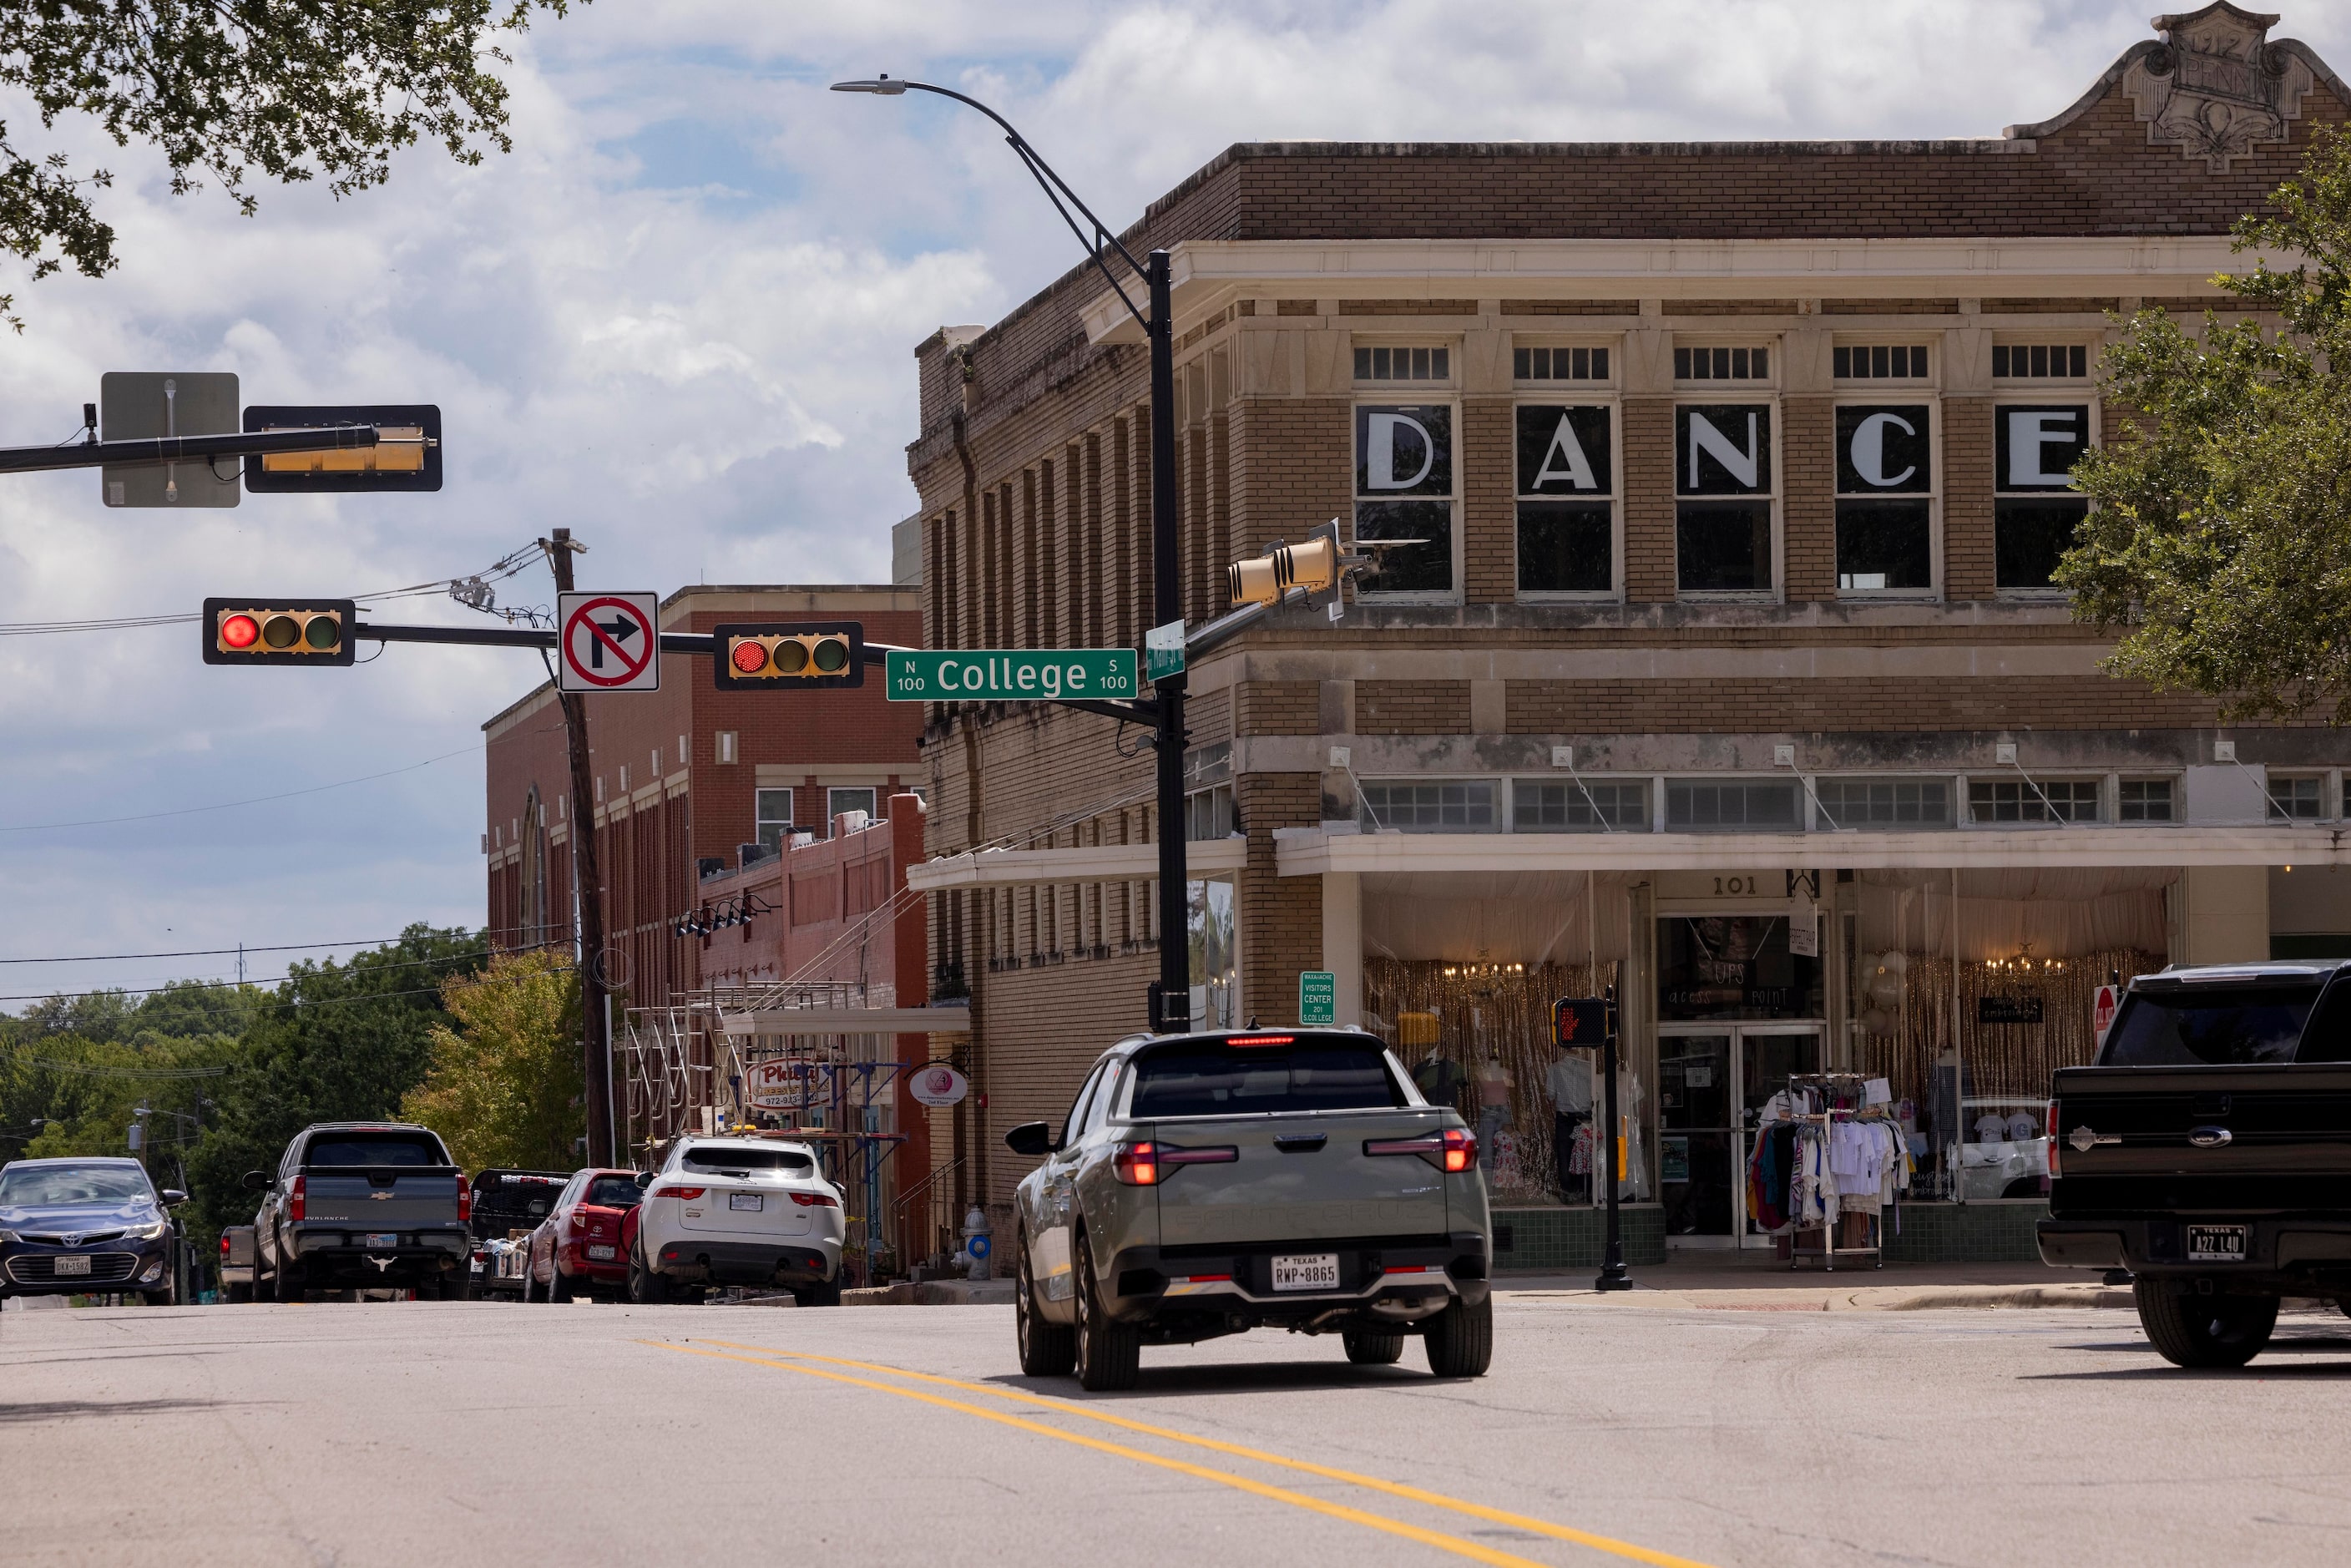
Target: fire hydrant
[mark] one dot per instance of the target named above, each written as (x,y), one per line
(974,1256)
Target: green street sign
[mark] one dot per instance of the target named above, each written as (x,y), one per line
(1009,674)
(1318,997)
(1163,650)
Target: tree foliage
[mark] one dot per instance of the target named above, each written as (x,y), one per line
(289,89)
(505,1082)
(2219,540)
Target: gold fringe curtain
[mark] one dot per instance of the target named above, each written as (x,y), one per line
(2002,1060)
(1504,1008)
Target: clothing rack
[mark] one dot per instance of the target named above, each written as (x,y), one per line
(1842,1098)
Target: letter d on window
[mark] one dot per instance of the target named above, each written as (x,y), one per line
(1384,464)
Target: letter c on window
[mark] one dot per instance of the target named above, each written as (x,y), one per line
(1869,449)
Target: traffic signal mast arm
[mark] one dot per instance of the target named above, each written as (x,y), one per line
(185,448)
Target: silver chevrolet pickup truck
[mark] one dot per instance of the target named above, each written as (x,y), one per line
(1207,1184)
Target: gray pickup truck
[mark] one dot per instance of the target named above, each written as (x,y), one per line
(236,1263)
(362,1205)
(1207,1184)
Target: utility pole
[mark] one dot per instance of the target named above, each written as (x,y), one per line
(1174,1012)
(588,890)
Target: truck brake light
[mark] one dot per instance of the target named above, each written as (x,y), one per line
(224,1246)
(1136,1164)
(2050,1127)
(1460,1149)
(465,1201)
(295,1204)
(1454,1150)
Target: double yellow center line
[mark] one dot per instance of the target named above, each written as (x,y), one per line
(812,1365)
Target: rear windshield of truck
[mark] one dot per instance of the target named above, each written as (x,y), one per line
(373,1149)
(1209,1078)
(2208,1026)
(516,1195)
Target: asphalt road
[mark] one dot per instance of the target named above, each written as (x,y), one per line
(454,1434)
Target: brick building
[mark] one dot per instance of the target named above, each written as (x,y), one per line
(1726,668)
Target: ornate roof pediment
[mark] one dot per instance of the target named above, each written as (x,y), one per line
(2216,87)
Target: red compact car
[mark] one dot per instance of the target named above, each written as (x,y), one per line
(578,1249)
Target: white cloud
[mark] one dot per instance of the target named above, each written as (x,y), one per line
(678,320)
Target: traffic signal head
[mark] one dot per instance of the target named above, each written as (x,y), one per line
(286,632)
(1313,565)
(406,456)
(765,654)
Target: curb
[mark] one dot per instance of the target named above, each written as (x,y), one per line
(932,1294)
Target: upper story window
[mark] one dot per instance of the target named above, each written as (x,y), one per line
(772,812)
(1591,806)
(2034,507)
(1434,805)
(1209,814)
(1886,498)
(2297,798)
(2143,800)
(1723,517)
(1878,361)
(1536,363)
(1884,803)
(1405,491)
(1694,363)
(1733,805)
(2033,800)
(1567,498)
(2041,361)
(836,802)
(1398,364)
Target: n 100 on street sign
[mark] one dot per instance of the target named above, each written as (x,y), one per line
(1010,674)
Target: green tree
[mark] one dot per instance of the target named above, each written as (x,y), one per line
(337,1041)
(505,1083)
(320,90)
(2219,540)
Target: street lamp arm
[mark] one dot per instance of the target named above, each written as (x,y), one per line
(1055,188)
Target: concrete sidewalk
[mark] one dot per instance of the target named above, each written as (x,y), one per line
(1746,1282)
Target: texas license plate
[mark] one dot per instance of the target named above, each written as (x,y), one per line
(750,1201)
(2216,1244)
(381,1239)
(73,1265)
(600,1254)
(1307,1272)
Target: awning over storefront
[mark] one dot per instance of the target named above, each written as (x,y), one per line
(1312,852)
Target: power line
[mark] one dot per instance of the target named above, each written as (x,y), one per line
(230,805)
(254,985)
(206,953)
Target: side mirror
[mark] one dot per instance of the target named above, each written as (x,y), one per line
(173,1197)
(644,1180)
(1031,1138)
(256,1181)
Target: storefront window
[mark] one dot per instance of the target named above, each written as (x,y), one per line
(1733,967)
(1733,805)
(1592,806)
(1215,948)
(2033,800)
(1901,803)
(1443,806)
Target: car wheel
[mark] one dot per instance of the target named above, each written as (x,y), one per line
(238,1295)
(1047,1349)
(559,1286)
(646,1289)
(824,1293)
(1373,1347)
(169,1296)
(2189,1330)
(1461,1340)
(1109,1353)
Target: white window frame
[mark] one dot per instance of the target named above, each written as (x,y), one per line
(2013,338)
(790,824)
(1932,382)
(1443,388)
(1379,398)
(2011,394)
(1936,441)
(1529,388)
(1743,393)
(1536,395)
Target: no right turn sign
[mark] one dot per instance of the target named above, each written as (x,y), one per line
(609,642)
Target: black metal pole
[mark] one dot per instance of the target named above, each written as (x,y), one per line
(163,449)
(595,1046)
(1612,1262)
(1174,1012)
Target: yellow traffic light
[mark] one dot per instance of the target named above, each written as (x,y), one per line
(1313,565)
(801,653)
(398,449)
(308,632)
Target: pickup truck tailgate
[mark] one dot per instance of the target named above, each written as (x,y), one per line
(381,1197)
(1303,1176)
(2235,1139)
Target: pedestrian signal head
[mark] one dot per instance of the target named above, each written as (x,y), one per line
(1313,565)
(298,632)
(762,655)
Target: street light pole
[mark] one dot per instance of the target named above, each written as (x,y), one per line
(587,891)
(1171,1006)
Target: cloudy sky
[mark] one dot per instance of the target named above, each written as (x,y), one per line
(678,318)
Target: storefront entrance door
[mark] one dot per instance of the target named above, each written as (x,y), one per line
(1713,1084)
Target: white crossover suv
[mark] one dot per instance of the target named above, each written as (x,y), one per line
(738,1211)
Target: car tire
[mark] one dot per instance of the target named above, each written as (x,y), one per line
(1373,1347)
(2190,1330)
(1109,1353)
(824,1293)
(646,1289)
(1047,1349)
(238,1295)
(559,1288)
(1461,1340)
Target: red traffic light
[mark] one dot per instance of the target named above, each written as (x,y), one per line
(764,656)
(240,631)
(296,632)
(750,657)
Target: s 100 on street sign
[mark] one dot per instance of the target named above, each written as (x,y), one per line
(1009,674)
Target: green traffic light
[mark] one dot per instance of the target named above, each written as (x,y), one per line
(831,656)
(323,632)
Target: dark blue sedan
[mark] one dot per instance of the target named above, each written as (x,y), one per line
(86,1225)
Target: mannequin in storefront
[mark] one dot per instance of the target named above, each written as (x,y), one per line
(1570,1083)
(1493,1098)
(1438,1078)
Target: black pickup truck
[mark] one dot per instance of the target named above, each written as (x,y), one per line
(363,1205)
(2209,1151)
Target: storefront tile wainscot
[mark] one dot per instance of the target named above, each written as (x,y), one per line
(1546,1238)
(1992,1232)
